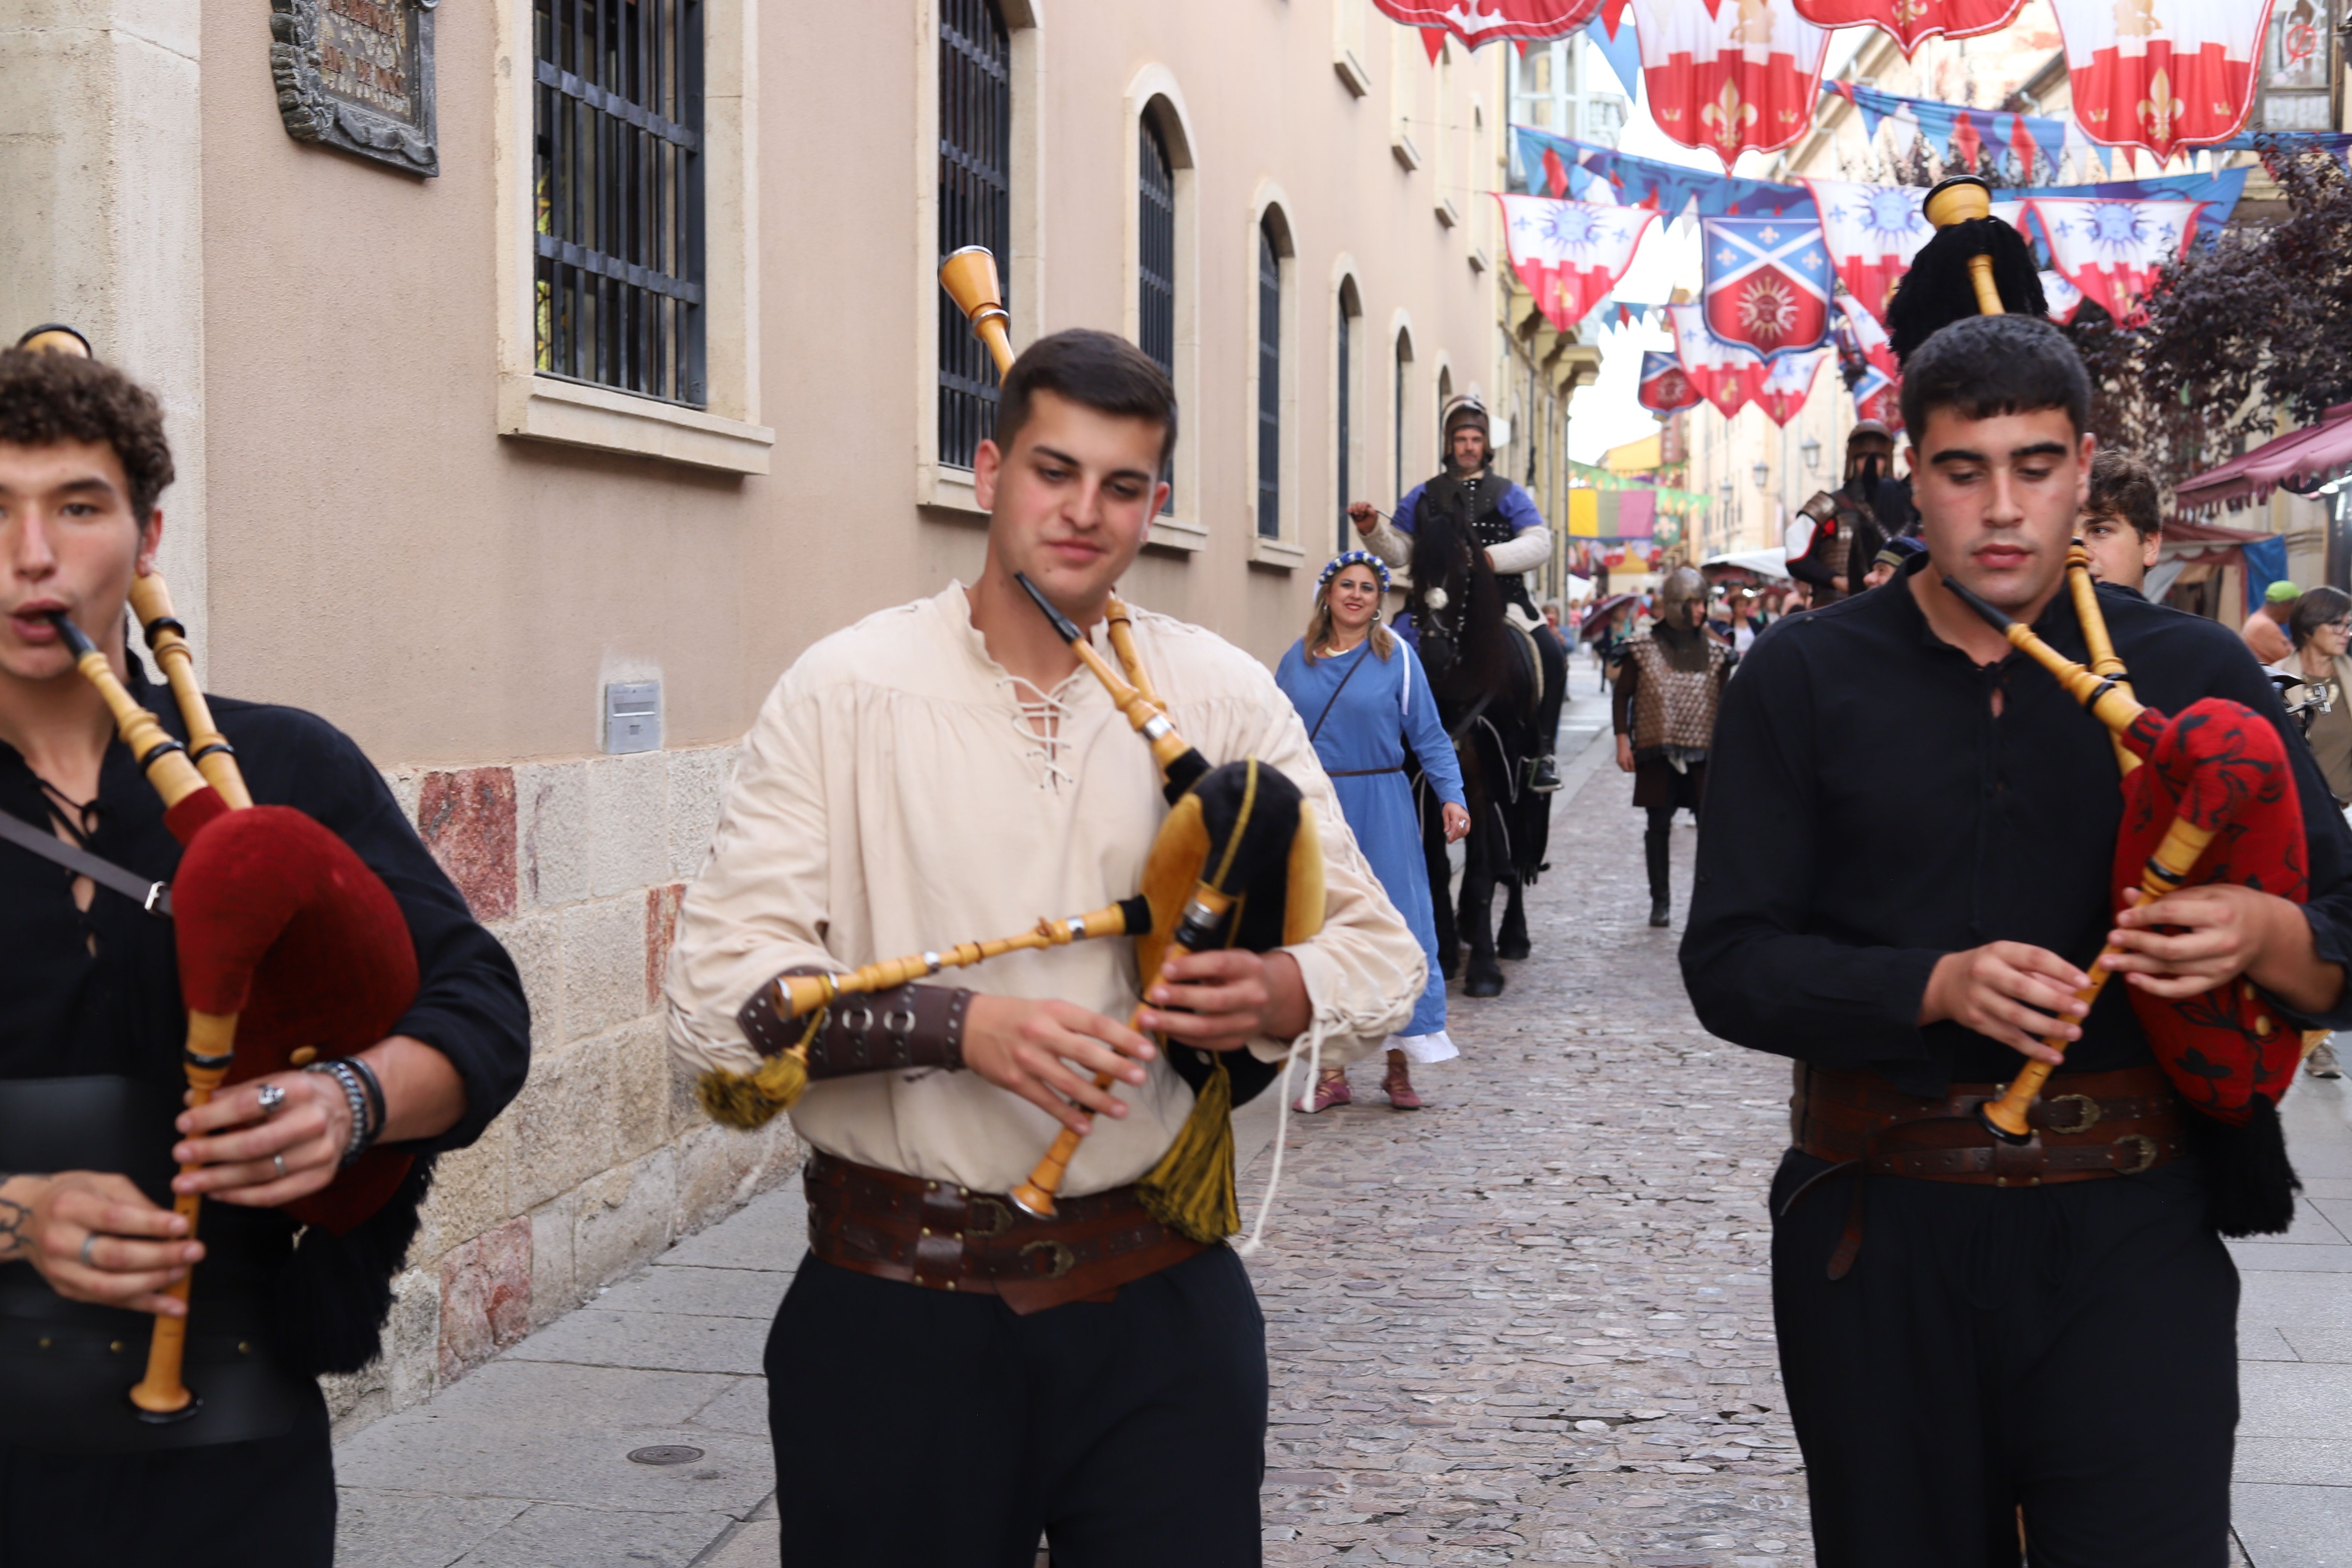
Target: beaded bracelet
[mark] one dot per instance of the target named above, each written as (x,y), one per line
(361,1133)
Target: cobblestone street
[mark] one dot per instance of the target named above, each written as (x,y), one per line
(1532,1323)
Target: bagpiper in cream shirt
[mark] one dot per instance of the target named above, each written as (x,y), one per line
(895,796)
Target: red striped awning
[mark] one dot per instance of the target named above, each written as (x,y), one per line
(2299,462)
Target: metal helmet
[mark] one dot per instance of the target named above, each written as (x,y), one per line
(1682,585)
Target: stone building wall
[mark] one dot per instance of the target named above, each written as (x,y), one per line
(604,1159)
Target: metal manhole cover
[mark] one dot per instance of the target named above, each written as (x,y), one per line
(665,1454)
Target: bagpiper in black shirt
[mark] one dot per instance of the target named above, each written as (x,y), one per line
(1868,812)
(98,990)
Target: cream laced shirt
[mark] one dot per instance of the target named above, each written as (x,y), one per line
(895,796)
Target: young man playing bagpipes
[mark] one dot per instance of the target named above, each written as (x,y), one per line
(92,1023)
(950,1374)
(1996,1319)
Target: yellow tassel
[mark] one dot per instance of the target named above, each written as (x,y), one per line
(750,1100)
(1190,1191)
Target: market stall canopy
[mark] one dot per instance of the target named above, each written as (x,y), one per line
(1772,563)
(2301,461)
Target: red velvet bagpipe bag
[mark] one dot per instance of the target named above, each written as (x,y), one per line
(2222,766)
(279,921)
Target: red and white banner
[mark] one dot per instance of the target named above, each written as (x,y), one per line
(2161,74)
(1911,23)
(1787,383)
(1570,254)
(1725,375)
(1872,233)
(1730,78)
(2064,297)
(2113,251)
(1477,21)
(1766,282)
(1663,387)
(1869,336)
(1879,396)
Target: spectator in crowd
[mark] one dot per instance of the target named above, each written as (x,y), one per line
(1737,625)
(2122,522)
(2264,629)
(1551,614)
(1890,559)
(2321,628)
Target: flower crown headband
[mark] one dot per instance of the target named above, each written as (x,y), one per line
(1355,558)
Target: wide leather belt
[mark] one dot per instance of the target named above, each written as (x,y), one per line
(2086,1127)
(946,1237)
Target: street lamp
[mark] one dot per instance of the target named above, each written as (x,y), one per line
(1763,475)
(1811,448)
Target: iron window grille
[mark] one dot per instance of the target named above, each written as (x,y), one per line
(976,203)
(1269,384)
(1156,257)
(1402,359)
(1346,413)
(617,181)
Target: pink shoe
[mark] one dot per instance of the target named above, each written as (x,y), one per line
(1399,1086)
(1328,1092)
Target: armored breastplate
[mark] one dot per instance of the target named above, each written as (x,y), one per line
(1672,707)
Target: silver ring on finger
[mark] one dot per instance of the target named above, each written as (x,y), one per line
(272,1096)
(279,1160)
(87,1243)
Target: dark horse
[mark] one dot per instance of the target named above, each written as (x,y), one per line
(1483,673)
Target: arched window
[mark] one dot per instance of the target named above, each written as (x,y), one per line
(1269,381)
(1351,312)
(1156,257)
(1404,364)
(975,205)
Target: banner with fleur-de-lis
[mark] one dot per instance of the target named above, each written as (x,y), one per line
(1742,74)
(1911,23)
(2163,75)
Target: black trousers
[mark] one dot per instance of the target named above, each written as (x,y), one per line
(2070,1350)
(263,1504)
(919,1428)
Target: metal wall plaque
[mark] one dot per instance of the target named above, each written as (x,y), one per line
(633,716)
(358,75)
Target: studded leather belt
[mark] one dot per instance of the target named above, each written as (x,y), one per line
(942,1236)
(2086,1126)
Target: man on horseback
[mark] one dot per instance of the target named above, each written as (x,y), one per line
(1504,520)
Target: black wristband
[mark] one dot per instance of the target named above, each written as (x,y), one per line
(374,1087)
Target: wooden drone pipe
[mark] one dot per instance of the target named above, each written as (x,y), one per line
(1960,199)
(969,276)
(2095,641)
(150,601)
(2108,698)
(162,759)
(803,994)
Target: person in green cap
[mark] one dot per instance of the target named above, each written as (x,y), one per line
(2265,629)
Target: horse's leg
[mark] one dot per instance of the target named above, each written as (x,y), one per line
(1511,941)
(1482,977)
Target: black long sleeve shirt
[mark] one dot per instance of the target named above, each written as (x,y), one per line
(98,990)
(1868,812)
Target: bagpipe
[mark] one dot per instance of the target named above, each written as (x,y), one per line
(2209,793)
(1236,863)
(291,949)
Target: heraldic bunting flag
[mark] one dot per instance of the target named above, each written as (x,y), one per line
(1766,282)
(2112,250)
(1871,232)
(1663,387)
(2064,297)
(1786,382)
(1477,21)
(1911,23)
(1870,340)
(1726,376)
(1730,76)
(1569,254)
(2161,74)
(1878,396)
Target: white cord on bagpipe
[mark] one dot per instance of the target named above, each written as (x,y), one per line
(1315,1033)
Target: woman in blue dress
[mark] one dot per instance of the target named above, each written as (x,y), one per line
(1362,693)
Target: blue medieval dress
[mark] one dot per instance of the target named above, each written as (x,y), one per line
(1361,721)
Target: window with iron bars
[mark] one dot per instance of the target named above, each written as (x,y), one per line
(1269,383)
(975,202)
(617,186)
(1156,256)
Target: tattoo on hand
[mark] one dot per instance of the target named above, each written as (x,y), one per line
(16,1222)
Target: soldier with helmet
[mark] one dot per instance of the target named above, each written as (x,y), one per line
(1668,689)
(1503,518)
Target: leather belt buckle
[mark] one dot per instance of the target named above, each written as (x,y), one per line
(2086,1114)
(2145,1151)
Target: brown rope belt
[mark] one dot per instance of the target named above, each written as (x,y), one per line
(2097,1125)
(946,1237)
